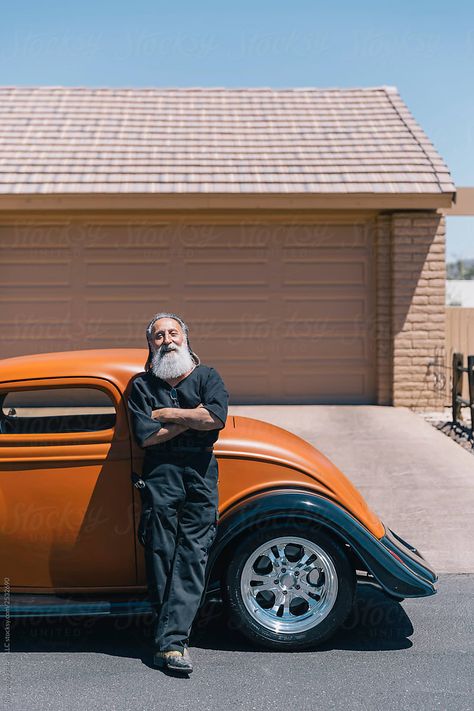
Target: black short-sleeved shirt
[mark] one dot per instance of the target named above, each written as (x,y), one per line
(203,385)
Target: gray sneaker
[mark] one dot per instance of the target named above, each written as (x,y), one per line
(175,660)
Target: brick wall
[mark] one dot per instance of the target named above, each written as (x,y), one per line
(383,323)
(418,307)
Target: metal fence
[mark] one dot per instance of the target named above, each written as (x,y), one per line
(457,387)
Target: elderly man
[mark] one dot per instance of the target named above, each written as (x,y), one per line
(177,407)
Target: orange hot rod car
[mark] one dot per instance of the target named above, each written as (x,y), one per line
(294,536)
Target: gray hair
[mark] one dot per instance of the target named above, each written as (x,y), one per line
(149,336)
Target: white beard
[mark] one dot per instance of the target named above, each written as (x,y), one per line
(172,364)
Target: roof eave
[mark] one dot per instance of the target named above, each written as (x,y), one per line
(208,201)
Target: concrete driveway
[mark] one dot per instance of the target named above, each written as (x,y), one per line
(419,482)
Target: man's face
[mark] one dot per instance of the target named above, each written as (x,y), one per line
(171,356)
(167,335)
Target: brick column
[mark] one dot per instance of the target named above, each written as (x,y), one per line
(418,307)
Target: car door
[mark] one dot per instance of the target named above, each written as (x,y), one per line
(66,502)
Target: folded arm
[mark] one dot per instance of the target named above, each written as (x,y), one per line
(197,418)
(164,434)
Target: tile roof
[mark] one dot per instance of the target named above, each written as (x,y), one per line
(121,140)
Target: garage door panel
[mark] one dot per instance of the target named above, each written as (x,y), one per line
(30,275)
(34,309)
(100,304)
(235,298)
(324,236)
(316,273)
(226,273)
(327,347)
(313,309)
(124,274)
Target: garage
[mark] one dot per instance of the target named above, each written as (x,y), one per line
(297,232)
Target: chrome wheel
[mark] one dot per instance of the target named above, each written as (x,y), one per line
(289,584)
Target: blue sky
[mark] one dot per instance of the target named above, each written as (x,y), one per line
(426,49)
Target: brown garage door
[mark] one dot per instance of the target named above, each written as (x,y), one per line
(283,311)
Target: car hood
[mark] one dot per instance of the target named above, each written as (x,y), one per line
(256,439)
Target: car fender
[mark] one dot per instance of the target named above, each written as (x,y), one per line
(396,566)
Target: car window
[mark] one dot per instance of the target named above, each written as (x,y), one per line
(53,410)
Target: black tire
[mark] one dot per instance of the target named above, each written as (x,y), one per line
(262,635)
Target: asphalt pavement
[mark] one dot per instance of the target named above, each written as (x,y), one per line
(418,654)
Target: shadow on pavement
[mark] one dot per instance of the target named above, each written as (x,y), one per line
(376,623)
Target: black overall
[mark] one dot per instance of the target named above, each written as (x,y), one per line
(178,522)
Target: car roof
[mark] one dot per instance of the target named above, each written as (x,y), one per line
(118,365)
